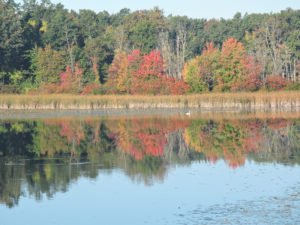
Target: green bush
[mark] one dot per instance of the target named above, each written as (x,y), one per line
(293,87)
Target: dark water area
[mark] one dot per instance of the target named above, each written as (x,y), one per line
(168,169)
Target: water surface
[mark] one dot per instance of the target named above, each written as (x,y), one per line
(168,169)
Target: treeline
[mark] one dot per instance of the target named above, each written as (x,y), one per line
(45,48)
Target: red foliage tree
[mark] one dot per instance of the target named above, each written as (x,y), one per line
(251,80)
(70,81)
(236,70)
(147,71)
(142,74)
(275,82)
(135,60)
(152,64)
(90,89)
(148,75)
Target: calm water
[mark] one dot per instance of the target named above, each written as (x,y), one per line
(150,170)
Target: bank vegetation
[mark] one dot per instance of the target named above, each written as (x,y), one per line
(257,101)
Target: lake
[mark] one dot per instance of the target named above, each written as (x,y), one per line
(165,168)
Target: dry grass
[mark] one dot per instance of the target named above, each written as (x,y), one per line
(260,101)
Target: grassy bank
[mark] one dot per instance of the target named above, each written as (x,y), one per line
(271,101)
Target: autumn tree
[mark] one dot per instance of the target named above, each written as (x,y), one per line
(140,73)
(146,71)
(201,72)
(70,82)
(237,67)
(122,70)
(232,64)
(229,69)
(151,79)
(119,75)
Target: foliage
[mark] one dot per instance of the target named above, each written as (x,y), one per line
(91,89)
(142,74)
(119,75)
(252,80)
(229,69)
(192,77)
(200,73)
(275,82)
(293,86)
(70,81)
(40,39)
(47,64)
(147,71)
(142,28)
(11,31)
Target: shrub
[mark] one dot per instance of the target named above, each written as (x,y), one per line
(275,82)
(293,86)
(91,89)
(9,89)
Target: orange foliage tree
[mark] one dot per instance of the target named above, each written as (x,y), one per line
(230,69)
(142,74)
(201,71)
(119,75)
(238,69)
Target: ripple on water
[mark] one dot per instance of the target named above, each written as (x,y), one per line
(272,210)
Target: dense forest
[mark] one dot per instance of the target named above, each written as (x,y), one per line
(45,48)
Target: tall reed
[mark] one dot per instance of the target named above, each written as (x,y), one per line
(260,101)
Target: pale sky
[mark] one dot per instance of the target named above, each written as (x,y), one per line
(190,8)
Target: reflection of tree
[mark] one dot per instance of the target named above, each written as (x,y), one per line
(10,184)
(15,138)
(217,140)
(38,178)
(234,140)
(176,151)
(71,137)
(144,149)
(280,142)
(145,137)
(48,140)
(146,170)
(294,141)
(98,140)
(93,142)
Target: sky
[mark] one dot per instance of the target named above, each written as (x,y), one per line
(191,8)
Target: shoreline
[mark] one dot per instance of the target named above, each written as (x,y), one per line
(237,102)
(135,114)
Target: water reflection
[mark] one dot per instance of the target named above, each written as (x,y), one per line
(42,157)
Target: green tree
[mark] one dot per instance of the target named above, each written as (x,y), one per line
(11,42)
(142,29)
(47,64)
